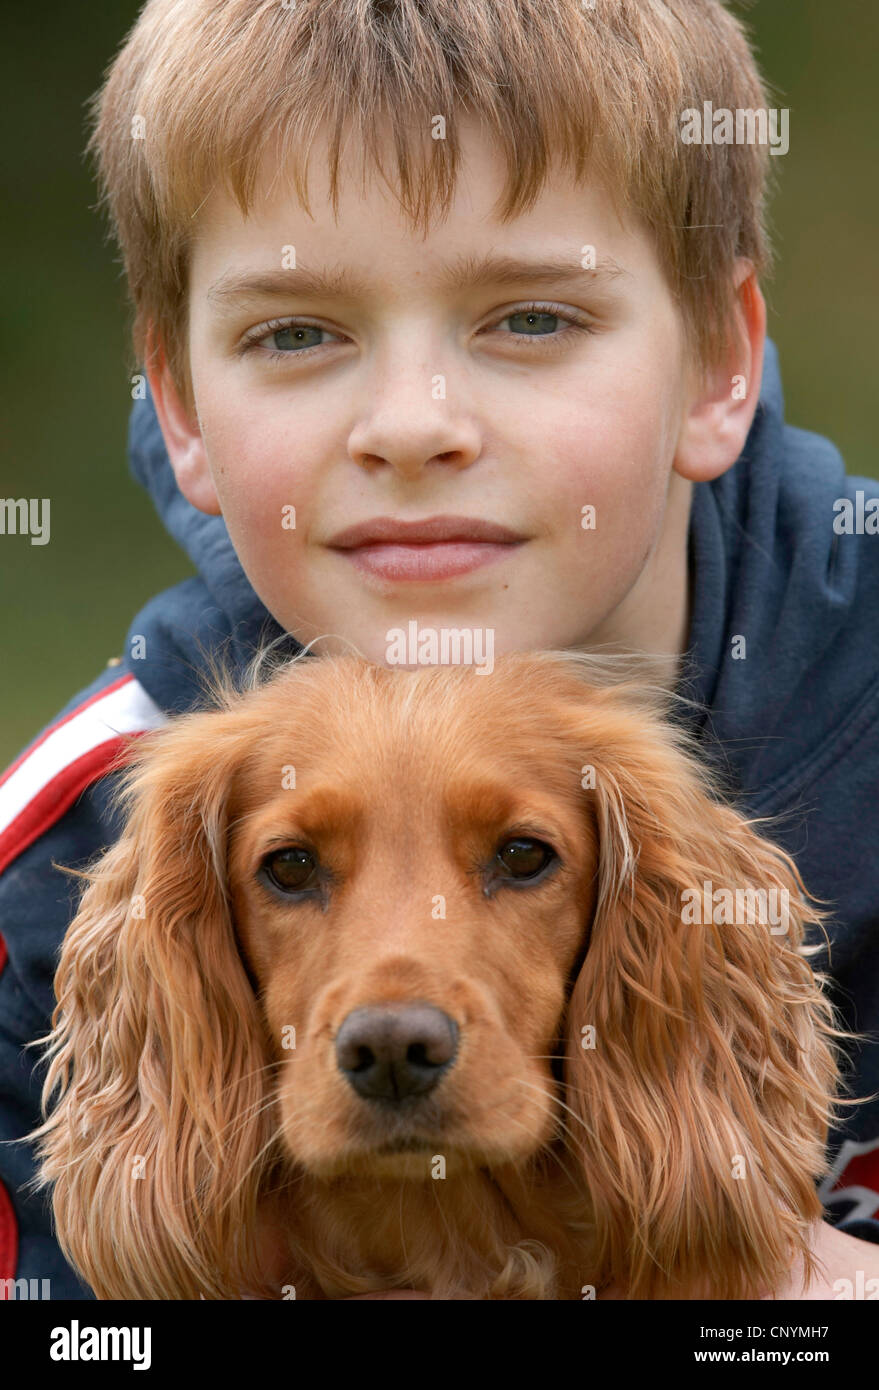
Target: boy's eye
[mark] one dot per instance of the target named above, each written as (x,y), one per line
(298,335)
(539,321)
(296,339)
(531,321)
(291,338)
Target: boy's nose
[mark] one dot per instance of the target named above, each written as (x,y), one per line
(393,1051)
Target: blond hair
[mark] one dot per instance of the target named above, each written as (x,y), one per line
(209,85)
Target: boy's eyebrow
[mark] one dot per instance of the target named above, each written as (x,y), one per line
(233,290)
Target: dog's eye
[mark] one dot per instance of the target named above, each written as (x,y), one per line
(523,858)
(290,869)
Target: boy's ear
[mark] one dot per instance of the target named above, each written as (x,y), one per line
(721,406)
(182,433)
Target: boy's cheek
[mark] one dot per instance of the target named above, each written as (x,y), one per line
(265,510)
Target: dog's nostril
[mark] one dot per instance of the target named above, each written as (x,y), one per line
(393,1051)
(365,1058)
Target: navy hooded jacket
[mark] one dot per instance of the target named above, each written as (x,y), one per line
(794,726)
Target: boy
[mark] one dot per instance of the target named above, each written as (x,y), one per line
(546,405)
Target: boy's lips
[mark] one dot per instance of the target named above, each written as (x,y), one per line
(439,547)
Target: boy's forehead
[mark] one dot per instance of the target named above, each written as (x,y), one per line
(569,226)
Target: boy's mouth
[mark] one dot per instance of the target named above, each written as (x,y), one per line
(438,547)
(441,561)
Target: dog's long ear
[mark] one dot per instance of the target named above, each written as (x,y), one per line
(701,1056)
(158,1138)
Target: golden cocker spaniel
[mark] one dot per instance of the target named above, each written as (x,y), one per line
(463,982)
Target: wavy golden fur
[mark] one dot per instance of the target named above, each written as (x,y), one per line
(670,1152)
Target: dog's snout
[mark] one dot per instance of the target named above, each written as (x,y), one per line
(391,1052)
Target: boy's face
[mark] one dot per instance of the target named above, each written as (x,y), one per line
(408,400)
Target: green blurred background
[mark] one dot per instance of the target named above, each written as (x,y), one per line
(67,605)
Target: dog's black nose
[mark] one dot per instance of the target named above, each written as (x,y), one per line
(393,1051)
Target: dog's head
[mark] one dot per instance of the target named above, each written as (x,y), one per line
(361,917)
